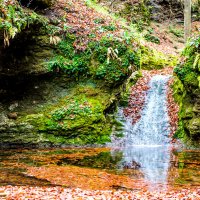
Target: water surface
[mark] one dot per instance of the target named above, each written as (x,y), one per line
(143,154)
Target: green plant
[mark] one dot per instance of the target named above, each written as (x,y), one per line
(115,59)
(98,21)
(110,27)
(68,60)
(196,64)
(152,38)
(72,109)
(66,49)
(189,68)
(75,67)
(175,31)
(13,19)
(56,63)
(181,71)
(127,37)
(139,13)
(194,43)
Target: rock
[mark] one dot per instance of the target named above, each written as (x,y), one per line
(12,115)
(162,10)
(194,127)
(131,165)
(48,3)
(187,94)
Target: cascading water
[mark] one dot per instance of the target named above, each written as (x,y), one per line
(146,142)
(153,127)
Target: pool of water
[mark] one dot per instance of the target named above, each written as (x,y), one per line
(154,165)
(144,157)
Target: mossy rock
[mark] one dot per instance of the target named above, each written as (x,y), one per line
(191,80)
(194,127)
(152,59)
(189,110)
(79,117)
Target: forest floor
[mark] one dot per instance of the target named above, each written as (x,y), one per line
(93,27)
(53,193)
(171,34)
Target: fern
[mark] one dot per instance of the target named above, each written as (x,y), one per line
(13,19)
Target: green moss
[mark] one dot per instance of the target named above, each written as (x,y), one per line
(78,118)
(190,79)
(186,112)
(180,133)
(125,93)
(187,93)
(138,13)
(152,59)
(194,127)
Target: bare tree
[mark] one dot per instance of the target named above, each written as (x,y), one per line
(187,19)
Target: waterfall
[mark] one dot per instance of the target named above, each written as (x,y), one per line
(153,127)
(146,142)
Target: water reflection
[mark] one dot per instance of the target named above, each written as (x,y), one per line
(152,161)
(154,164)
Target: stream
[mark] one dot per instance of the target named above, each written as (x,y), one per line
(144,153)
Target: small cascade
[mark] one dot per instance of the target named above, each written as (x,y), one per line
(146,142)
(153,128)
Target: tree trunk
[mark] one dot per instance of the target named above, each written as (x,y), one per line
(187,19)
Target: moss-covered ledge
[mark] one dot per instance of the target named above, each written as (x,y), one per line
(81,115)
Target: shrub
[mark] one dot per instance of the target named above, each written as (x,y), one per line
(115,58)
(182,71)
(187,71)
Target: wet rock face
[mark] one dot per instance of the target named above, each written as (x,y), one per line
(187,92)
